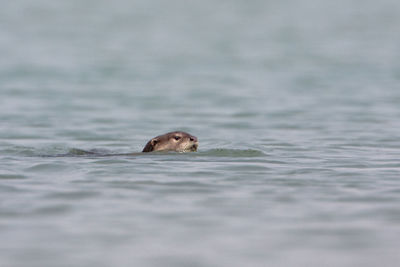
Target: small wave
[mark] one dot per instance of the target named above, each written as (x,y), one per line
(218,152)
(11,176)
(74,152)
(79,152)
(18,151)
(47,167)
(222,152)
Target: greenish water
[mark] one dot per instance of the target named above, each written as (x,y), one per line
(296,106)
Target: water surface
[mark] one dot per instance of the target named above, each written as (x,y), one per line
(296,106)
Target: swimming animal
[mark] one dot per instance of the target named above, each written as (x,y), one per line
(173,141)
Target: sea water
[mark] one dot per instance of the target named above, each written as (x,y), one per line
(296,105)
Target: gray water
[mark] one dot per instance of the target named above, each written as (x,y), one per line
(296,105)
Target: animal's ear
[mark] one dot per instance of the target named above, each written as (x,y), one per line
(150,145)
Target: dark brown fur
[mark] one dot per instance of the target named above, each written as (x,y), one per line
(173,141)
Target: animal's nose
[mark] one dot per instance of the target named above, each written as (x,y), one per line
(193,138)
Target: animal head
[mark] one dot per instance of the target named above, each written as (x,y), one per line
(173,141)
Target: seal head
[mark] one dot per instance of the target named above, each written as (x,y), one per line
(173,141)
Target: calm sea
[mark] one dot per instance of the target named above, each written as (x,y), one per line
(296,105)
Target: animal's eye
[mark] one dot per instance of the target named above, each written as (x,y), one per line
(177,138)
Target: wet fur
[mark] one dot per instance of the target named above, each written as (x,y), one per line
(165,142)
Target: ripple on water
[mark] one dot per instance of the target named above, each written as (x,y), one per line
(47,167)
(10,189)
(221,152)
(53,209)
(12,176)
(168,187)
(111,161)
(74,195)
(18,150)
